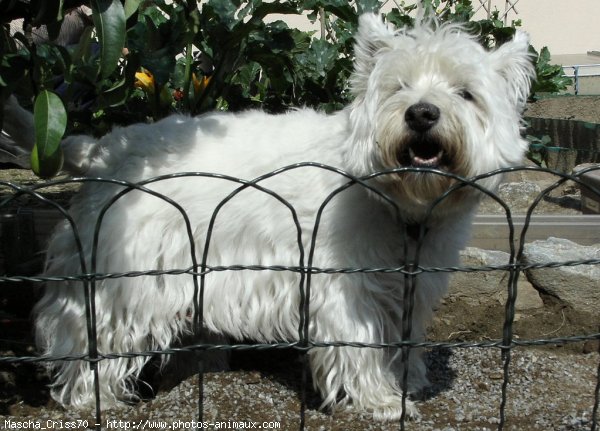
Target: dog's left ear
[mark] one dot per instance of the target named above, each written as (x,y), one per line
(372,37)
(514,63)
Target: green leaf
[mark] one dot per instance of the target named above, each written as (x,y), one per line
(83,49)
(12,67)
(131,7)
(160,63)
(545,57)
(321,57)
(109,20)
(50,123)
(225,11)
(119,93)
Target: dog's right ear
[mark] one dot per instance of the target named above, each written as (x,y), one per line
(515,63)
(372,37)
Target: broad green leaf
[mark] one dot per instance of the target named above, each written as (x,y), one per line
(131,7)
(109,20)
(225,11)
(50,122)
(83,49)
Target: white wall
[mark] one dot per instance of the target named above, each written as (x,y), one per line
(564,26)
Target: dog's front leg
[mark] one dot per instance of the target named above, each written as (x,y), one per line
(362,376)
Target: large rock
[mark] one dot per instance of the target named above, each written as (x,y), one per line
(576,286)
(488,287)
(518,195)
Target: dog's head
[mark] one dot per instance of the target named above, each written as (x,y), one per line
(433,97)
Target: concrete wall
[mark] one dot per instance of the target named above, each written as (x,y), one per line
(564,26)
(570,30)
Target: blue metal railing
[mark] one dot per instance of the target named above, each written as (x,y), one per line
(577,73)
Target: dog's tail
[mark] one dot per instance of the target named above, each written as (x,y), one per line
(18,139)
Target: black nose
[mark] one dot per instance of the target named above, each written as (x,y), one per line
(422,116)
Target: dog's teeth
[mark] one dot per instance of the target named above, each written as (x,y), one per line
(422,162)
(426,163)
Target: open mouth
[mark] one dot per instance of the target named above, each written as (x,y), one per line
(425,161)
(423,152)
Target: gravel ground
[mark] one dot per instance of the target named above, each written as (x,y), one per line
(547,391)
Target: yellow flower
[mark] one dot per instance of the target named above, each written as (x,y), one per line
(144,80)
(200,84)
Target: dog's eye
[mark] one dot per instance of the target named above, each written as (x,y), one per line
(466,94)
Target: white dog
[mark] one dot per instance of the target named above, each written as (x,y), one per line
(428,97)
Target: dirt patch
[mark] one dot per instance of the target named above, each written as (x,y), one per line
(457,321)
(59,193)
(583,108)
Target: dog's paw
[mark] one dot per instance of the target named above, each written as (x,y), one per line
(393,411)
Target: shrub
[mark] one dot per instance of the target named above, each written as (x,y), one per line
(142,60)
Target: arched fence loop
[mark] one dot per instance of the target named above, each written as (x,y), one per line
(307,248)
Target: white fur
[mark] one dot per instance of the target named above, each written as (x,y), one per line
(359,229)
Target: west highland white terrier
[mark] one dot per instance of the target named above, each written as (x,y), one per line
(426,97)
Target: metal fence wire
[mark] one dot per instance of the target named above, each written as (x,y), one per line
(200,267)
